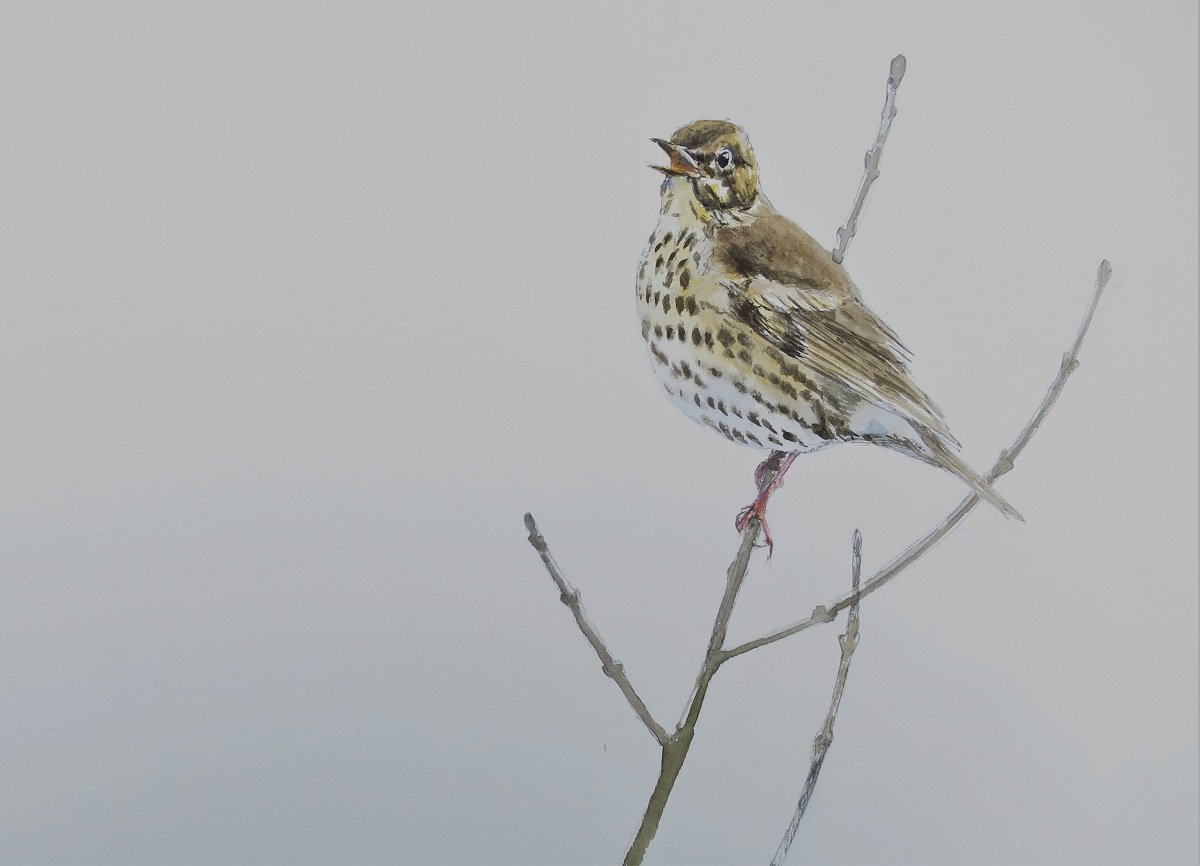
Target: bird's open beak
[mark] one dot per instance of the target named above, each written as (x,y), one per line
(682,162)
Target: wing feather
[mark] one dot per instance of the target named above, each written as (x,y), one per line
(799,300)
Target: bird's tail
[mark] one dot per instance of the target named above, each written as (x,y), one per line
(951,462)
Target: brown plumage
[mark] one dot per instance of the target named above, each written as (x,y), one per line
(756,332)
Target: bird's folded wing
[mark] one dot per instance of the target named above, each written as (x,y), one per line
(797,299)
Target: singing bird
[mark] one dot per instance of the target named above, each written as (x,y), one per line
(755,331)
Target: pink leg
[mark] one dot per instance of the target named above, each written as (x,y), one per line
(779,462)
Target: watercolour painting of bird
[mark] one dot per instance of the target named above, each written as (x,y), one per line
(756,332)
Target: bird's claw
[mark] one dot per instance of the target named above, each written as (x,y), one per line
(759,510)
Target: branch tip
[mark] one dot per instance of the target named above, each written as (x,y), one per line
(847,643)
(571,597)
(846,232)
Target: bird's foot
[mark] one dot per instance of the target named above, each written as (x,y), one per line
(757,509)
(775,467)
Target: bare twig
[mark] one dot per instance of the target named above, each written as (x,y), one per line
(676,749)
(611,667)
(675,752)
(848,643)
(675,746)
(1070,361)
(871,160)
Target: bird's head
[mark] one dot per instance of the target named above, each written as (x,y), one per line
(717,158)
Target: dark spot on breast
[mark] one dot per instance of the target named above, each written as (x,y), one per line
(658,331)
(679,303)
(670,332)
(789,369)
(696,400)
(715,372)
(687,370)
(666,300)
(685,277)
(790,436)
(692,306)
(696,337)
(658,355)
(708,339)
(658,263)
(744,355)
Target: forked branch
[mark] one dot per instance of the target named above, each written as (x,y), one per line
(675,746)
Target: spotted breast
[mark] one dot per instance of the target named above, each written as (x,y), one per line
(708,363)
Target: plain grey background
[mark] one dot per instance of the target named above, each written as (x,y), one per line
(304,305)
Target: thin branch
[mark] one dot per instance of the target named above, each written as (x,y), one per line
(611,667)
(675,752)
(871,160)
(675,746)
(676,749)
(1070,361)
(848,643)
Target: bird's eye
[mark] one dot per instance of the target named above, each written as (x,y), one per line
(724,158)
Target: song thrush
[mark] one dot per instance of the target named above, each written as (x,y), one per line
(753,329)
